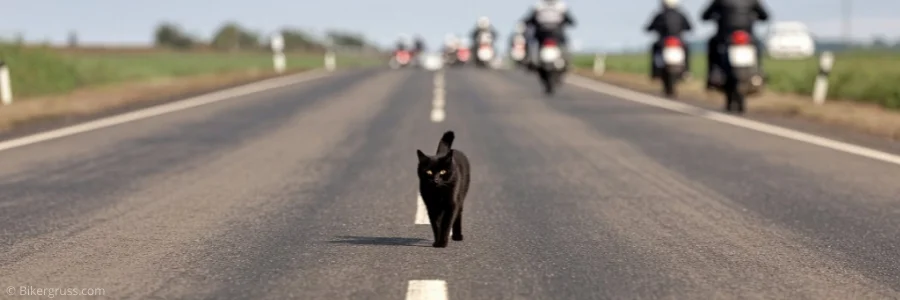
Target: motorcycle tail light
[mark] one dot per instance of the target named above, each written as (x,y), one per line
(672,42)
(740,37)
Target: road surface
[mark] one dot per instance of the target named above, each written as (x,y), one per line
(309,192)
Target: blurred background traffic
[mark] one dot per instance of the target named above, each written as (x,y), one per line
(54,48)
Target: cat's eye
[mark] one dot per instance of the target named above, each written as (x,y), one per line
(428,172)
(443,172)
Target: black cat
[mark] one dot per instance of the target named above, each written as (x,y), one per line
(443,184)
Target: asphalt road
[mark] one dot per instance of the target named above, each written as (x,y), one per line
(309,192)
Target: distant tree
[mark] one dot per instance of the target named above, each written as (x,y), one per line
(231,36)
(880,42)
(166,34)
(172,36)
(346,39)
(20,38)
(73,39)
(296,39)
(227,37)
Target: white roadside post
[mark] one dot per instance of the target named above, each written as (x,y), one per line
(278,55)
(599,64)
(5,86)
(330,61)
(820,89)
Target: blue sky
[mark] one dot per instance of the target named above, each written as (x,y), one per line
(603,24)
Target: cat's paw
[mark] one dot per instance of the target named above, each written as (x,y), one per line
(440,244)
(458,237)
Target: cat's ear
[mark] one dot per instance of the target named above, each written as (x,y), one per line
(422,156)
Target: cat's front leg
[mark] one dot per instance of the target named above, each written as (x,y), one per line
(446,224)
(434,218)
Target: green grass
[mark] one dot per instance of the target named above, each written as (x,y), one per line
(866,76)
(113,68)
(36,72)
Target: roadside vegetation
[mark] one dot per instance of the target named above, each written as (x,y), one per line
(39,70)
(66,82)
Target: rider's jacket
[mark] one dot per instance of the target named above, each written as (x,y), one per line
(549,20)
(669,22)
(731,15)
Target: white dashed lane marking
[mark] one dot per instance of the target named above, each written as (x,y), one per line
(421,212)
(427,290)
(438,114)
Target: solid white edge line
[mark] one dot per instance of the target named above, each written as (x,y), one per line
(427,290)
(421,212)
(634,96)
(161,109)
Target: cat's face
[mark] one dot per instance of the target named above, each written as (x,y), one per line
(436,169)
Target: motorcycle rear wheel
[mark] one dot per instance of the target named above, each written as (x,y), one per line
(548,79)
(668,82)
(735,101)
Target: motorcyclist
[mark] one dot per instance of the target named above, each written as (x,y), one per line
(517,33)
(732,15)
(419,44)
(483,25)
(547,19)
(451,42)
(402,43)
(669,21)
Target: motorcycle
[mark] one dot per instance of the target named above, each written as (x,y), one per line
(415,58)
(485,52)
(449,57)
(551,65)
(518,51)
(739,75)
(463,55)
(671,61)
(401,58)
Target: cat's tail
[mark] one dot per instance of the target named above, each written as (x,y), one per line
(446,142)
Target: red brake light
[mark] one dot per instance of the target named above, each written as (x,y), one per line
(549,42)
(672,42)
(740,37)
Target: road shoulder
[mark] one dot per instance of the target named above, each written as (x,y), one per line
(845,121)
(38,114)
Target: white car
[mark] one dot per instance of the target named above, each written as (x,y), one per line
(790,40)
